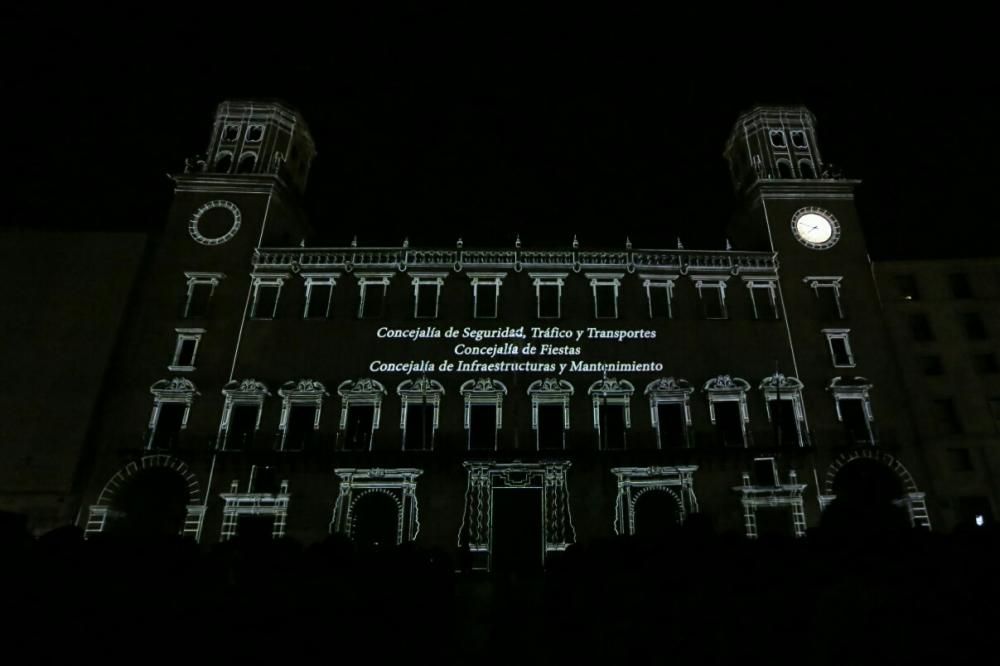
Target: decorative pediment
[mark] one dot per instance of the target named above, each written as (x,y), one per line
(420,386)
(850,386)
(363,386)
(246,387)
(611,386)
(727,383)
(668,386)
(303,387)
(779,382)
(483,385)
(551,385)
(174,386)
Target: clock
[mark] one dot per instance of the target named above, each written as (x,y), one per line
(215,222)
(816,228)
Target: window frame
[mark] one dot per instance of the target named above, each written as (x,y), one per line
(859,388)
(716,283)
(319,280)
(550,391)
(768,284)
(268,280)
(482,392)
(611,391)
(844,334)
(362,392)
(817,282)
(178,390)
(613,280)
(307,392)
(540,280)
(669,391)
(240,393)
(421,391)
(781,387)
(366,279)
(726,388)
(423,279)
(651,282)
(493,279)
(194,279)
(185,335)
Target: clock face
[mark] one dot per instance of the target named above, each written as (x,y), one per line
(215,222)
(815,228)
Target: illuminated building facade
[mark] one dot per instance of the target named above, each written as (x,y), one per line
(505,400)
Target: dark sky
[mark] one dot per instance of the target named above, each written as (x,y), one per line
(435,125)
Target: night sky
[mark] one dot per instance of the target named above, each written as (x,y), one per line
(435,125)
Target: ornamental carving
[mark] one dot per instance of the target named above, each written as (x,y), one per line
(483,385)
(610,385)
(551,385)
(362,386)
(422,386)
(669,385)
(174,385)
(727,383)
(779,382)
(246,386)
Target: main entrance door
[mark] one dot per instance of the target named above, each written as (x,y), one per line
(517,543)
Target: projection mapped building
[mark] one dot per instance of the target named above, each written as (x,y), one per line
(504,400)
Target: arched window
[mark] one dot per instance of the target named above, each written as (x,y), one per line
(420,414)
(247,163)
(727,408)
(360,413)
(172,399)
(670,411)
(483,411)
(612,415)
(806,169)
(241,415)
(785,169)
(783,401)
(224,162)
(550,411)
(301,406)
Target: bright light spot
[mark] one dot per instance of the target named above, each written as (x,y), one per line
(979,520)
(908,298)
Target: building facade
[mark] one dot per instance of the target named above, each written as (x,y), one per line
(504,400)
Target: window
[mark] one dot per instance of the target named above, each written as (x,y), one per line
(659,295)
(371,299)
(827,291)
(727,409)
(548,294)
(806,169)
(975,327)
(185,349)
(247,163)
(854,410)
(670,411)
(960,460)
(960,287)
(486,294)
(426,294)
(838,339)
(241,415)
(550,412)
(301,407)
(319,294)
(906,287)
(778,138)
(483,405)
(360,413)
(612,416)
(224,161)
(266,293)
(200,289)
(765,472)
(986,364)
(605,290)
(920,328)
(763,297)
(931,365)
(255,133)
(259,513)
(172,399)
(421,400)
(231,133)
(945,417)
(785,169)
(785,411)
(712,292)
(799,139)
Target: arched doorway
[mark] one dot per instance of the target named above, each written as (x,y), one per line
(153,502)
(656,513)
(375,520)
(868,494)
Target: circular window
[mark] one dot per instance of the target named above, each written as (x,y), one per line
(815,228)
(215,222)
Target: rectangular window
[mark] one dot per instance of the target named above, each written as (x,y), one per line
(426,300)
(240,434)
(671,425)
(906,287)
(784,422)
(946,417)
(548,294)
(840,347)
(931,365)
(765,472)
(169,423)
(920,328)
(763,298)
(975,327)
(300,427)
(729,423)
(358,430)
(419,432)
(659,296)
(605,289)
(372,296)
(853,415)
(200,289)
(486,294)
(713,298)
(960,287)
(186,349)
(611,427)
(319,296)
(827,291)
(266,294)
(986,364)
(551,429)
(482,427)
